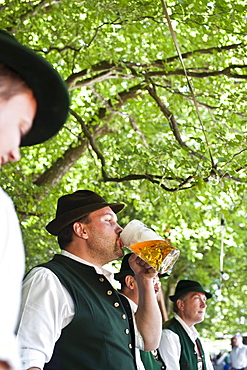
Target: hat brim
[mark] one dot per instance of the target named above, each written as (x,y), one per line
(175,297)
(122,274)
(60,222)
(47,85)
(163,275)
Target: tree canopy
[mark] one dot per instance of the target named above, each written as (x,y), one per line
(137,134)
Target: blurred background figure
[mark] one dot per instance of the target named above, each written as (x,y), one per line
(238,354)
(221,361)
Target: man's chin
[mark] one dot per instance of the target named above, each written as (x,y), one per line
(200,319)
(120,253)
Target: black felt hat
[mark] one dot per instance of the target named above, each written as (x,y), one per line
(71,207)
(48,88)
(126,269)
(186,286)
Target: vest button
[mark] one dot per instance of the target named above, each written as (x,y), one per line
(116,304)
(101,279)
(123,316)
(109,292)
(127,331)
(130,346)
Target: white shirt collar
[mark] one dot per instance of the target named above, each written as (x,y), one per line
(191,331)
(99,270)
(240,346)
(133,305)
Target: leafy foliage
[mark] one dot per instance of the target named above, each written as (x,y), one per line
(134,135)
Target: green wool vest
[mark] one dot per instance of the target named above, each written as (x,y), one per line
(188,358)
(151,361)
(99,335)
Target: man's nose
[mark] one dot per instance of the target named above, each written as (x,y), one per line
(203,304)
(118,229)
(14,155)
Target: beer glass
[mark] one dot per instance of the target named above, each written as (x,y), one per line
(148,245)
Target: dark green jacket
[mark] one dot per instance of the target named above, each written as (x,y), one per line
(98,338)
(152,361)
(188,358)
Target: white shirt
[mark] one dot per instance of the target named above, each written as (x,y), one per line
(12,264)
(238,357)
(44,328)
(170,348)
(139,362)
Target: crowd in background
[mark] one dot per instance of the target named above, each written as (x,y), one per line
(236,359)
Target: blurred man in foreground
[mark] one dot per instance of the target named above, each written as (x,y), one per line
(34,105)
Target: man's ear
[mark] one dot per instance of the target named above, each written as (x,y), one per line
(129,281)
(180,304)
(79,230)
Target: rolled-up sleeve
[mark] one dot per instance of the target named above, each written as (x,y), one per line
(45,311)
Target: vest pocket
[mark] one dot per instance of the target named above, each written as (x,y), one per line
(184,366)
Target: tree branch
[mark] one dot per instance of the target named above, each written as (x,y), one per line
(172,122)
(123,114)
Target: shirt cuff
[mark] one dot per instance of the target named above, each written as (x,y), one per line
(32,358)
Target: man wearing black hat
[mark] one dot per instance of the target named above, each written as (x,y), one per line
(180,346)
(129,288)
(33,107)
(72,317)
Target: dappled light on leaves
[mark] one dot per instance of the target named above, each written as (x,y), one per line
(133,133)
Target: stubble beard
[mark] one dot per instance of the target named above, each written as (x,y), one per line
(109,253)
(118,251)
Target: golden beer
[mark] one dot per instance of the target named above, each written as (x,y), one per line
(149,246)
(159,254)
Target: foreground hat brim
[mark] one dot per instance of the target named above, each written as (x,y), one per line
(47,85)
(59,223)
(175,297)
